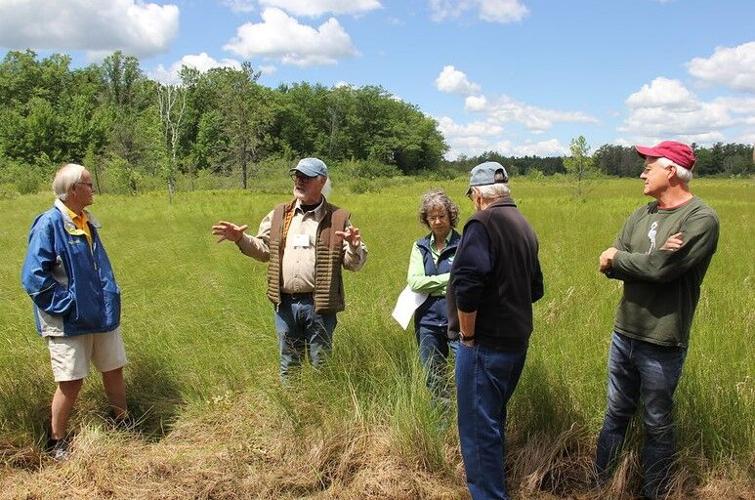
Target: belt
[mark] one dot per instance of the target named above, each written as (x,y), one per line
(296,296)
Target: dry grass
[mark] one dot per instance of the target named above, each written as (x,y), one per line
(238,446)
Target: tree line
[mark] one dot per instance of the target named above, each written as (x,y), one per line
(127,127)
(621,161)
(111,117)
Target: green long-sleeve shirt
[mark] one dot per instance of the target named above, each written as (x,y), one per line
(416,278)
(661,288)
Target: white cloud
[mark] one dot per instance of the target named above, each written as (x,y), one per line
(498,11)
(132,26)
(239,5)
(451,80)
(477,137)
(504,109)
(662,93)
(281,36)
(202,62)
(730,66)
(316,8)
(267,69)
(666,109)
(475,103)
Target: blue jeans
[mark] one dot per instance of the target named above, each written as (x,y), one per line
(641,371)
(300,329)
(485,380)
(434,347)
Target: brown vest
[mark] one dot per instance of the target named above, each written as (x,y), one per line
(329,296)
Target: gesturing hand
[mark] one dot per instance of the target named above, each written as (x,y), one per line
(673,243)
(228,231)
(351,235)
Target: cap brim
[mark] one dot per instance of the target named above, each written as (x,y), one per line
(645,151)
(303,171)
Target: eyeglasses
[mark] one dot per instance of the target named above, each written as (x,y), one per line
(302,177)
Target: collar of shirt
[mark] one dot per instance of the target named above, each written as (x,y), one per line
(80,221)
(317,213)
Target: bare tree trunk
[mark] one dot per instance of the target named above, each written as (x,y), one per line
(171,117)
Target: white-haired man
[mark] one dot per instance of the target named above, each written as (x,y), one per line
(495,278)
(306,242)
(661,254)
(77,301)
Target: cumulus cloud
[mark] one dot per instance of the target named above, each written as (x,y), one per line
(453,81)
(662,93)
(240,6)
(314,8)
(135,27)
(281,36)
(730,66)
(666,109)
(202,62)
(504,109)
(497,11)
(477,137)
(475,103)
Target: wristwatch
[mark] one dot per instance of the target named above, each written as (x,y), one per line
(465,338)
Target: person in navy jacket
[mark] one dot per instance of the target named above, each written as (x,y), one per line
(429,271)
(77,303)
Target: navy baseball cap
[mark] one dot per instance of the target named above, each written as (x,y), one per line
(311,167)
(484,174)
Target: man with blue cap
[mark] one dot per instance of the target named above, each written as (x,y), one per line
(306,242)
(495,278)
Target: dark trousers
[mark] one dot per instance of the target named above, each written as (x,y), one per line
(641,371)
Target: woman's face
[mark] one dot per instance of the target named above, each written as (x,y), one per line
(439,222)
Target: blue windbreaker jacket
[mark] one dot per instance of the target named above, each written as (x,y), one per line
(73,288)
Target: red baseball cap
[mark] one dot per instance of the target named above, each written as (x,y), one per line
(679,153)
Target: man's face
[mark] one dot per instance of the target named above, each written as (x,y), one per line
(657,179)
(308,189)
(476,199)
(82,193)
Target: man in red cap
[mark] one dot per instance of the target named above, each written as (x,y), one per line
(661,254)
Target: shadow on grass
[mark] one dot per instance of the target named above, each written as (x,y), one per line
(153,396)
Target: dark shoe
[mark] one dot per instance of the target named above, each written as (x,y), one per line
(58,449)
(123,422)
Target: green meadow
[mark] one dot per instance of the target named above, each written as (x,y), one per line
(199,330)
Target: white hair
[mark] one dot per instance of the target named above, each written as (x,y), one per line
(327,188)
(683,174)
(65,178)
(493,191)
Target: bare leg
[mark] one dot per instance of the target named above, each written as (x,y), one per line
(115,390)
(62,403)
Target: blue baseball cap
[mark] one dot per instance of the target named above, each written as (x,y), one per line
(311,167)
(484,174)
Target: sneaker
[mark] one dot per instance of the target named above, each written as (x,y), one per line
(58,449)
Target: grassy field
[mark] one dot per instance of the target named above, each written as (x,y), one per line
(203,363)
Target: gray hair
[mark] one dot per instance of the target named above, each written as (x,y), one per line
(683,174)
(438,198)
(65,178)
(493,191)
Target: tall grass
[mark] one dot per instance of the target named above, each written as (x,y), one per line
(199,334)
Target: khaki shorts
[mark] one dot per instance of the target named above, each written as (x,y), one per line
(70,356)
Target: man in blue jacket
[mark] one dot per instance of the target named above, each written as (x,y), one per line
(77,304)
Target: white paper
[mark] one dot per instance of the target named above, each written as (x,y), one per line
(408,302)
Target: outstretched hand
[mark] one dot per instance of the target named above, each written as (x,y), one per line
(228,231)
(673,243)
(351,235)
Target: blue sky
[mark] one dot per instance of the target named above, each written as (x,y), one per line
(515,76)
